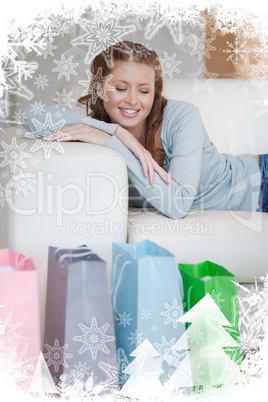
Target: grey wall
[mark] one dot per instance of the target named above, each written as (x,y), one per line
(176,42)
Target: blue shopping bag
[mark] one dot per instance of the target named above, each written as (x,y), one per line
(147,298)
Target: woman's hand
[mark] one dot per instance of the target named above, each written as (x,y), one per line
(149,165)
(79,132)
(84,133)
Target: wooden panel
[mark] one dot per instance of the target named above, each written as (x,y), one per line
(239,52)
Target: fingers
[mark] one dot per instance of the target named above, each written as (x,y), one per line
(63,134)
(162,173)
(58,136)
(150,166)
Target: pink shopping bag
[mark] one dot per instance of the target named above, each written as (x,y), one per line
(19,306)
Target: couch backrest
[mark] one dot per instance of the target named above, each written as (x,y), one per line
(235,114)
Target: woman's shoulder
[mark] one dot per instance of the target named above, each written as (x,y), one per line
(180,117)
(176,111)
(179,106)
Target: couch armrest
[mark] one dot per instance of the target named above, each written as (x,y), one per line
(77,195)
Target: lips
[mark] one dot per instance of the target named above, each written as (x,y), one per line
(129,112)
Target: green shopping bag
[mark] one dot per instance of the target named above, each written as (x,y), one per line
(207,277)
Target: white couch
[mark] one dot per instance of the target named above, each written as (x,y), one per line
(79,196)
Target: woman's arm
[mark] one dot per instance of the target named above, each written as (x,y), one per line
(185,137)
(186,140)
(47,123)
(82,132)
(76,127)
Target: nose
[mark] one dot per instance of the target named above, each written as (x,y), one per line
(131,97)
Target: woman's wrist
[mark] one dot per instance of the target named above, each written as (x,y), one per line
(120,132)
(96,136)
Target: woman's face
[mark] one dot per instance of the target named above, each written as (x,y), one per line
(131,101)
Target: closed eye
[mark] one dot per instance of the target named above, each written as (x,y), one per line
(120,89)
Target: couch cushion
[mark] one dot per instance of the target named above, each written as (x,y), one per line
(235,240)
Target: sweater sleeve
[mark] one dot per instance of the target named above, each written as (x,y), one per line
(183,134)
(47,123)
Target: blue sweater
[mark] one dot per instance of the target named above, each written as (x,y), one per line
(202,177)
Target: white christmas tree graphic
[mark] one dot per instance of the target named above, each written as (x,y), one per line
(42,381)
(206,337)
(144,373)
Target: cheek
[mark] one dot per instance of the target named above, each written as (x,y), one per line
(113,98)
(150,102)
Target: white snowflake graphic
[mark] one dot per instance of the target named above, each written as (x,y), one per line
(259,75)
(110,368)
(47,146)
(154,328)
(195,373)
(195,334)
(136,338)
(94,338)
(19,132)
(236,52)
(20,366)
(2,195)
(162,16)
(26,40)
(56,355)
(37,108)
(96,83)
(217,298)
(260,51)
(47,127)
(227,21)
(13,154)
(19,117)
(176,393)
(122,364)
(165,351)
(4,103)
(33,163)
(58,114)
(41,81)
(99,35)
(201,46)
(146,314)
(173,313)
(65,67)
(22,183)
(203,84)
(124,319)
(12,336)
(81,370)
(2,327)
(48,50)
(64,100)
(4,175)
(14,75)
(169,65)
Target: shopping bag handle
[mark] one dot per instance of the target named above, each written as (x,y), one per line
(119,280)
(189,291)
(73,256)
(20,260)
(57,250)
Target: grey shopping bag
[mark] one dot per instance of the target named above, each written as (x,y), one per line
(79,340)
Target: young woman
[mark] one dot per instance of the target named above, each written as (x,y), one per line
(171,162)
